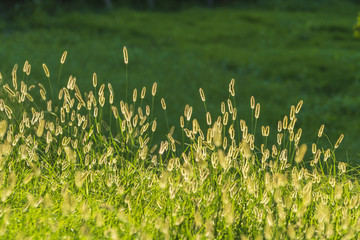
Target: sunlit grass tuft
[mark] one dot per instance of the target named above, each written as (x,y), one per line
(66,171)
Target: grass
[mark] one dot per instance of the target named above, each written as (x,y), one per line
(278,56)
(65,173)
(89,167)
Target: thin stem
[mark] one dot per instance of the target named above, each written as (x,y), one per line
(126,83)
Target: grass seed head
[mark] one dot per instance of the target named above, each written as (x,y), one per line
(153,126)
(226,118)
(28,69)
(125,53)
(291,231)
(202,95)
(223,108)
(25,66)
(230,106)
(232,87)
(299,156)
(279,180)
(268,232)
(135,95)
(285,122)
(208,118)
(292,112)
(143,92)
(163,104)
(14,77)
(3,128)
(252,102)
(99,219)
(313,148)
(310,232)
(209,228)
(63,57)
(5,149)
(182,123)
(9,90)
(339,141)
(329,230)
(153,90)
(298,106)
(321,130)
(94,80)
(46,70)
(338,191)
(257,111)
(322,213)
(40,128)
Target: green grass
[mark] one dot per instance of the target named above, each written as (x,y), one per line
(279,57)
(64,173)
(98,182)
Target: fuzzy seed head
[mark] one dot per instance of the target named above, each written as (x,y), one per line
(182,123)
(310,232)
(223,108)
(265,131)
(28,70)
(94,80)
(285,122)
(40,129)
(3,128)
(14,77)
(8,112)
(125,53)
(25,65)
(217,136)
(9,90)
(322,213)
(298,106)
(226,118)
(153,90)
(257,111)
(299,156)
(143,92)
(268,232)
(321,130)
(208,118)
(291,231)
(46,70)
(279,180)
(135,95)
(252,102)
(202,95)
(163,104)
(339,141)
(63,57)
(292,112)
(230,106)
(313,148)
(338,191)
(232,87)
(329,230)
(153,126)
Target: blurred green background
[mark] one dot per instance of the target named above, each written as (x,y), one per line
(278,51)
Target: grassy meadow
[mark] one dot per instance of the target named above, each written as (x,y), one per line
(222,138)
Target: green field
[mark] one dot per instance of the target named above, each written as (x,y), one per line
(118,188)
(278,56)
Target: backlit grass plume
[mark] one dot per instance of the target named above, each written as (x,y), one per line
(66,170)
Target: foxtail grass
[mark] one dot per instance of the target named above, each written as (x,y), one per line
(68,171)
